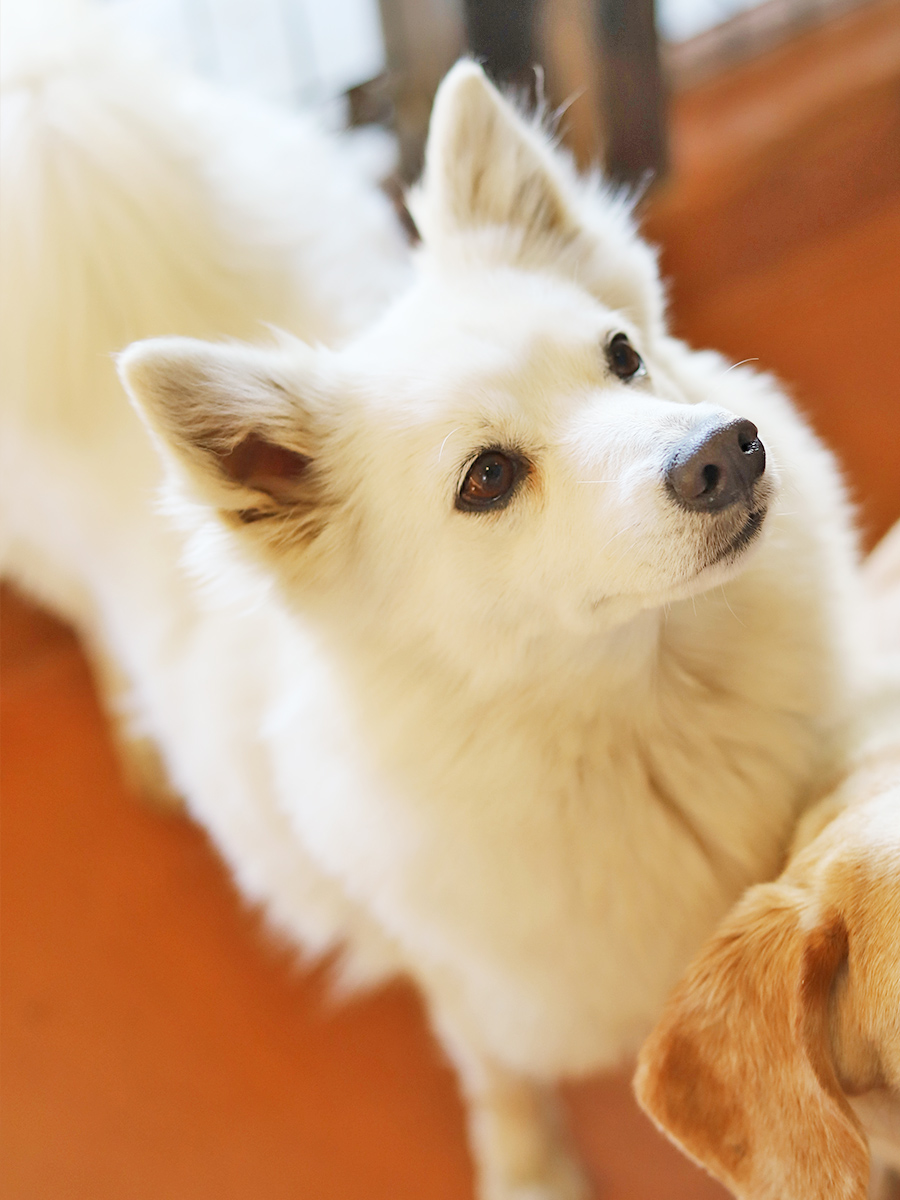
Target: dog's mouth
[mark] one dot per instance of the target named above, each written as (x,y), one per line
(748,533)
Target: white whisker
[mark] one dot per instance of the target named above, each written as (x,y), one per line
(633,525)
(728,606)
(740,364)
(446,440)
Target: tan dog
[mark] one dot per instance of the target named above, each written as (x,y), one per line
(776,1064)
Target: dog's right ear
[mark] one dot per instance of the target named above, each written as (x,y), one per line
(243,425)
(739,1070)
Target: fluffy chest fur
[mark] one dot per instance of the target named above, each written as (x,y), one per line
(545,857)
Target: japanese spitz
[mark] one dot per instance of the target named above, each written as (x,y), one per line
(513,635)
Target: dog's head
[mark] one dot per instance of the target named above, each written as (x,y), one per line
(739,1071)
(515,448)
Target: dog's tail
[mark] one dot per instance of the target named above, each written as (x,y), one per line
(138,202)
(109,231)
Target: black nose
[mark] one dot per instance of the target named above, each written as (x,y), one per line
(716,466)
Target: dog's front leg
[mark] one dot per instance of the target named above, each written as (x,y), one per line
(517,1133)
(140,758)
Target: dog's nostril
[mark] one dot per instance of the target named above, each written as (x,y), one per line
(716,466)
(711,476)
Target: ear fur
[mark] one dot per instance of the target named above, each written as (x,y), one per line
(739,1071)
(494,187)
(487,168)
(237,420)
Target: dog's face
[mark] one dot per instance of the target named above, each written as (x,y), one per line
(515,449)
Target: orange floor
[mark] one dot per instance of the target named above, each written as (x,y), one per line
(154,1046)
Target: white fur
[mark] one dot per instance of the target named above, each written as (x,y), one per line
(528,756)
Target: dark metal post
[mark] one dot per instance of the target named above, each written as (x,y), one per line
(423,38)
(632,90)
(501,35)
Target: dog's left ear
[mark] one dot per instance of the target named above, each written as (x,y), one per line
(487,168)
(739,1070)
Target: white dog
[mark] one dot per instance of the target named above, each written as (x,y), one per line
(524,633)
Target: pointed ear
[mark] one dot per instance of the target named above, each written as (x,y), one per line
(242,423)
(486,166)
(739,1072)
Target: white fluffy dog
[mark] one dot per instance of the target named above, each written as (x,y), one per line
(524,632)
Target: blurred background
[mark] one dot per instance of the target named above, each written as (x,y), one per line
(155,1046)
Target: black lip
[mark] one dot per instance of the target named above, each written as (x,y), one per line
(745,536)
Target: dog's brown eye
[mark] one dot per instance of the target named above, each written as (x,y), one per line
(623,359)
(489,481)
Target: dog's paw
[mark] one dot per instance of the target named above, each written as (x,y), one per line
(561,1179)
(568,1183)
